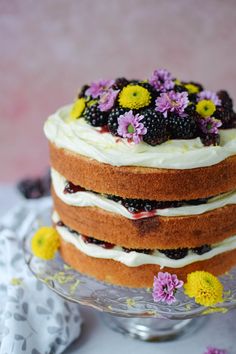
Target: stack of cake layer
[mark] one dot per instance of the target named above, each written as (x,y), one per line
(125,211)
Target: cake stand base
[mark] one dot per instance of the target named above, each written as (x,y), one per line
(152,329)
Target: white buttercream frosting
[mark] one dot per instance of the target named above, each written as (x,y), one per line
(82,138)
(135,259)
(90,199)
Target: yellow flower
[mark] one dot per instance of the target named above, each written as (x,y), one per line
(134,97)
(204,287)
(45,243)
(192,88)
(177,82)
(77,109)
(205,108)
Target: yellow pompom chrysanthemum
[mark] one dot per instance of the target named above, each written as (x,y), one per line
(205,108)
(45,243)
(191,88)
(77,109)
(204,287)
(134,97)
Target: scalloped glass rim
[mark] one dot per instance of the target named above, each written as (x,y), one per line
(116,300)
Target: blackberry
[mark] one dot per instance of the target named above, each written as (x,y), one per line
(179,88)
(226,100)
(224,114)
(95,117)
(191,110)
(175,253)
(81,94)
(137,205)
(35,188)
(145,251)
(152,91)
(120,83)
(156,127)
(202,249)
(210,139)
(197,201)
(182,127)
(113,119)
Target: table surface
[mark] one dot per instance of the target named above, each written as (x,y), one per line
(219,330)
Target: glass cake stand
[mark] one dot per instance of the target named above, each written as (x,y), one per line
(126,310)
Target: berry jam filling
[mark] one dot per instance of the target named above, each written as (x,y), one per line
(140,205)
(145,251)
(136,206)
(72,188)
(178,253)
(94,241)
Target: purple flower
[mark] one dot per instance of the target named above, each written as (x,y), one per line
(107,100)
(210,125)
(97,88)
(129,126)
(209,95)
(212,350)
(165,286)
(172,102)
(162,80)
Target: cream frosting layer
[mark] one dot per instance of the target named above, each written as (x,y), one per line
(135,259)
(80,137)
(90,199)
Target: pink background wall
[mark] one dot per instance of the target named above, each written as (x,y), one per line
(49,48)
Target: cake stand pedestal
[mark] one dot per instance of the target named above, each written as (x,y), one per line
(152,329)
(130,311)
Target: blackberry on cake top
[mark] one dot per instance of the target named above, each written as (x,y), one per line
(155,110)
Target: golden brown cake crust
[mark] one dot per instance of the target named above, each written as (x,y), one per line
(143,182)
(117,273)
(156,232)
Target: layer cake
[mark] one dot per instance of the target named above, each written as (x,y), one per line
(144,179)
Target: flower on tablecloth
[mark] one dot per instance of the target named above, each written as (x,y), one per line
(45,243)
(165,286)
(213,350)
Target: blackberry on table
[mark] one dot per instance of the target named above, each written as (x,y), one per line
(35,188)
(156,127)
(95,117)
(202,249)
(113,119)
(182,127)
(175,253)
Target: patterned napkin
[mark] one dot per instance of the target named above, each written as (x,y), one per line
(33,320)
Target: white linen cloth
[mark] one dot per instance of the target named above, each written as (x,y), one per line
(33,319)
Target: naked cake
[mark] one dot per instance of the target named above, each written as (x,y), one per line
(144,178)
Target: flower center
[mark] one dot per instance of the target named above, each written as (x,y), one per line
(130,129)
